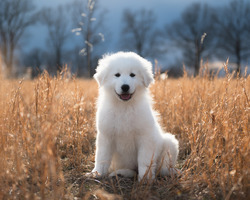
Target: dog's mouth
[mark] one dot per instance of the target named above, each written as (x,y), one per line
(125,96)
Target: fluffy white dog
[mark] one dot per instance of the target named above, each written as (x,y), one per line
(129,138)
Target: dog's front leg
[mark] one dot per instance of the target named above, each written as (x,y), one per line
(146,164)
(103,155)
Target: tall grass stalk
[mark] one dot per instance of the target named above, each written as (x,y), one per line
(47,139)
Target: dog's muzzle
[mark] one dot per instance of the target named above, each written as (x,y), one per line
(125,95)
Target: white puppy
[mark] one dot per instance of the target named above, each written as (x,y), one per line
(129,138)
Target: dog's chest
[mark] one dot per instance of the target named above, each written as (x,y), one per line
(122,121)
(122,129)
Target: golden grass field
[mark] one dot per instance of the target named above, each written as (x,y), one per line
(47,140)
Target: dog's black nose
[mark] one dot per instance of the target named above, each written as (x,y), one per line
(125,88)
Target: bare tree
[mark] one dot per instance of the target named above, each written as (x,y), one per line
(193,34)
(58,31)
(15,17)
(89,25)
(233,31)
(139,33)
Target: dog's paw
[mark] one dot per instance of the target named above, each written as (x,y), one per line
(93,174)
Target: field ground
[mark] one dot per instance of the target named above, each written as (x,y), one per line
(47,137)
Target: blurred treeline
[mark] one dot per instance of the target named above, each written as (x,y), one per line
(77,34)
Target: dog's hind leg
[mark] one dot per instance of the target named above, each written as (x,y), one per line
(169,156)
(123,172)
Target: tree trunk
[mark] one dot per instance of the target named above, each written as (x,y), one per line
(9,63)
(238,56)
(238,66)
(197,59)
(139,48)
(7,59)
(88,50)
(88,62)
(196,68)
(58,60)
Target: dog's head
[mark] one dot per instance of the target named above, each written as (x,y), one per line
(124,73)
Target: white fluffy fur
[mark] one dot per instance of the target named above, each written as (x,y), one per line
(129,138)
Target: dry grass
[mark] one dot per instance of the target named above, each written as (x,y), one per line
(47,135)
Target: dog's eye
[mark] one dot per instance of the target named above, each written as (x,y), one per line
(117,74)
(132,75)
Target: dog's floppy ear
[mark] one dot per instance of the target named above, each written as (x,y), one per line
(100,74)
(147,74)
(99,77)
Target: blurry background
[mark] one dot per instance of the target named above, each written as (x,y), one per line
(47,35)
